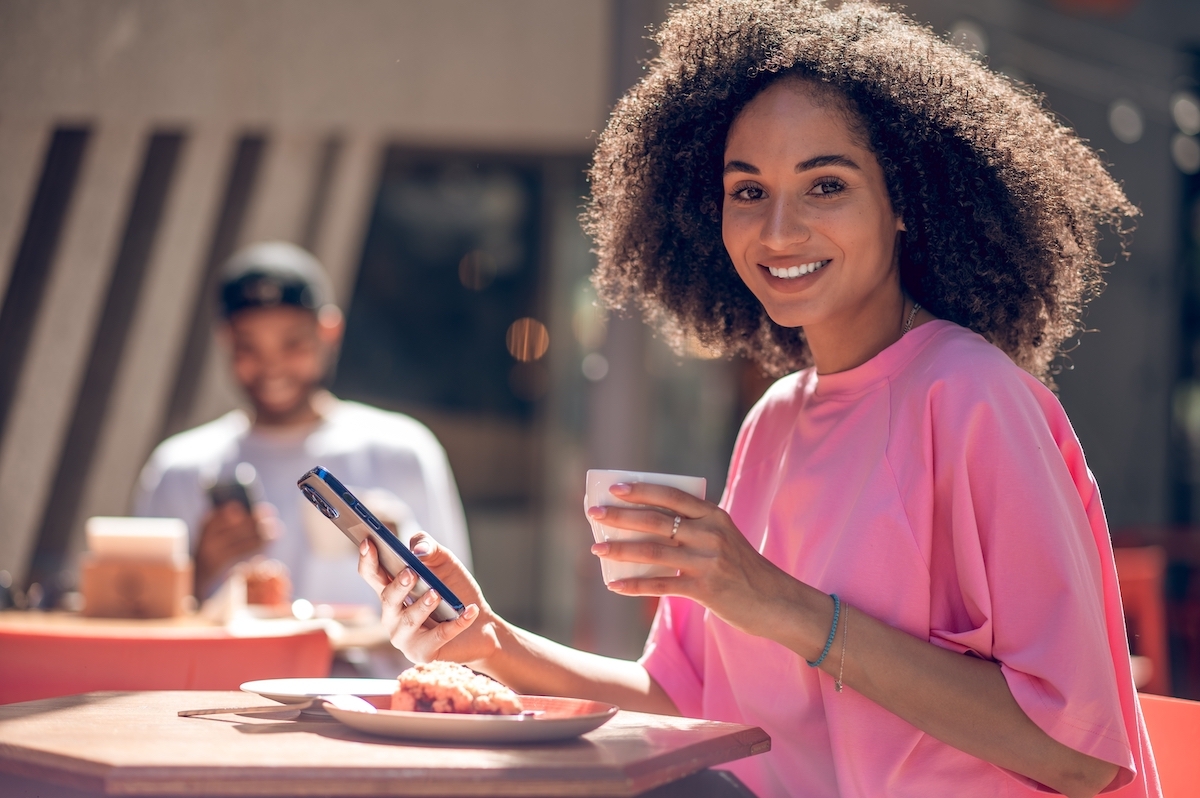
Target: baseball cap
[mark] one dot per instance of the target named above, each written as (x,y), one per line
(270,274)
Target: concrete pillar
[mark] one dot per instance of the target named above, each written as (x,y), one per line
(285,188)
(62,337)
(340,233)
(176,272)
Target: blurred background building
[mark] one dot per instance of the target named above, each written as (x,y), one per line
(432,155)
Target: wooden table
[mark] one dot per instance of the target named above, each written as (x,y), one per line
(135,744)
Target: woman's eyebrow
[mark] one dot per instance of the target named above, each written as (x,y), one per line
(826,160)
(740,166)
(812,163)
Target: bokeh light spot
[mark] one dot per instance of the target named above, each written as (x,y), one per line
(1125,119)
(595,367)
(476,270)
(303,609)
(1185,151)
(1185,110)
(527,339)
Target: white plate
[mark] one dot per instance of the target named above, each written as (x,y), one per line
(295,691)
(554,719)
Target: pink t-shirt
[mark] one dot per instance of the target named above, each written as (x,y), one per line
(940,489)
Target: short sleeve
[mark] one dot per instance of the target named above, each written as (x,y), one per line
(667,657)
(1021,565)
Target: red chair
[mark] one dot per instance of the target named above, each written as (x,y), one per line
(1140,574)
(1174,728)
(46,662)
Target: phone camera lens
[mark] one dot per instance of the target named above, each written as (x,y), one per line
(321,504)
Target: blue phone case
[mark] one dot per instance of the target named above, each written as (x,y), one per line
(339,505)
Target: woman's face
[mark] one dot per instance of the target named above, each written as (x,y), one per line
(806,216)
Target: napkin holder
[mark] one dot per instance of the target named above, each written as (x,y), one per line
(136,568)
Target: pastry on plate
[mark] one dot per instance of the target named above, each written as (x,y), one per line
(450,687)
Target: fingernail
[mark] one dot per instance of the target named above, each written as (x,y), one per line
(431,597)
(362,547)
(620,489)
(597,512)
(470,612)
(616,585)
(422,548)
(406,577)
(599,549)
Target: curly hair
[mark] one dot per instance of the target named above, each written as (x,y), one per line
(1003,205)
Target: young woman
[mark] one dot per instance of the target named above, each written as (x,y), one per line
(909,513)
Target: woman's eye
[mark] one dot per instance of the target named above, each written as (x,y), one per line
(827,187)
(748,193)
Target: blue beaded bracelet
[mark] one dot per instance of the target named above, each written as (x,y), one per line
(837,610)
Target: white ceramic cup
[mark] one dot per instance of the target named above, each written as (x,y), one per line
(599,480)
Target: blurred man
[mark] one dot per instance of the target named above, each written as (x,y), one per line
(282,332)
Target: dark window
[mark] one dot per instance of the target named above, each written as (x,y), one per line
(450,264)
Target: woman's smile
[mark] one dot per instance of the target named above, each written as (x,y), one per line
(791,273)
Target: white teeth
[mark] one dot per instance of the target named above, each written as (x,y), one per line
(796,271)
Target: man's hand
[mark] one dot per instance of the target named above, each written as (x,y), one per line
(229,534)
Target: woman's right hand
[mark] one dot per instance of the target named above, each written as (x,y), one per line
(469,638)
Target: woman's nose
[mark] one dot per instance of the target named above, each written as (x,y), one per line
(785,225)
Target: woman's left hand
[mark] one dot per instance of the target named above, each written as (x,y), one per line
(717,566)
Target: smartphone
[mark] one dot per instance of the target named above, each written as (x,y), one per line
(241,486)
(341,507)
